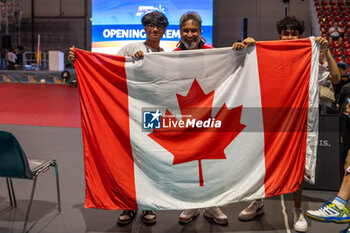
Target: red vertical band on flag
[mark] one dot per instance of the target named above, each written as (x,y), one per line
(284,72)
(109,165)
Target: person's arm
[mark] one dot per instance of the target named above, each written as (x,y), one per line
(347,110)
(332,66)
(247,42)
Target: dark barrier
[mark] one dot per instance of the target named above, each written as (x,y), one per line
(33,76)
(333,143)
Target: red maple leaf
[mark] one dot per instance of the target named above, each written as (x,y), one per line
(197,143)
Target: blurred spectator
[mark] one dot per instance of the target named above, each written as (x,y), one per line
(324,81)
(335,33)
(11,59)
(344,99)
(344,79)
(19,54)
(347,109)
(322,60)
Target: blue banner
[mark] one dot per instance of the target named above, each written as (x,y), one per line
(103,33)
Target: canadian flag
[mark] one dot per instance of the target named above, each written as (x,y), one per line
(199,128)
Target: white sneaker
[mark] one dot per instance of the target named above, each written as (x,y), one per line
(329,212)
(187,216)
(300,223)
(216,214)
(254,209)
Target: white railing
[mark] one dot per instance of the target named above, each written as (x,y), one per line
(30,62)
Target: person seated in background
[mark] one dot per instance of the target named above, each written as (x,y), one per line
(335,33)
(335,211)
(292,28)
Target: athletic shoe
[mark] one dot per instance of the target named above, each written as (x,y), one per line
(187,216)
(254,209)
(347,230)
(300,223)
(216,214)
(126,217)
(149,217)
(329,212)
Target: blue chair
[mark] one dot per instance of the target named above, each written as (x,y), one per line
(14,164)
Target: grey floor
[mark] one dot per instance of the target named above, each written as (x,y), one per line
(65,144)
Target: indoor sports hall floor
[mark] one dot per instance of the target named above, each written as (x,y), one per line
(45,119)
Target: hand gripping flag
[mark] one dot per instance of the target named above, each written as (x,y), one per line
(199,128)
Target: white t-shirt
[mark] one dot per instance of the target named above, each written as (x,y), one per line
(11,56)
(130,49)
(323,74)
(334,31)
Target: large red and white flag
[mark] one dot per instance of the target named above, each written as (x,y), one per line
(198,128)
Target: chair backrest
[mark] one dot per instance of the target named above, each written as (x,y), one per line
(13,161)
(337,52)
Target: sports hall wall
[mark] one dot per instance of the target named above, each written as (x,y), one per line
(62,23)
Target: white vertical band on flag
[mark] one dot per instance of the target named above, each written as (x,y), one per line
(312,124)
(153,83)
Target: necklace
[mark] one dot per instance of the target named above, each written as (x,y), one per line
(149,49)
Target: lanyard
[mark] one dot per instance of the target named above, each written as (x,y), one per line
(148,49)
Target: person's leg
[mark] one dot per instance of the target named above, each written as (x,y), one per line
(255,208)
(300,223)
(344,191)
(297,197)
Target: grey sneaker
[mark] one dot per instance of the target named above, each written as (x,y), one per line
(187,216)
(216,214)
(255,208)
